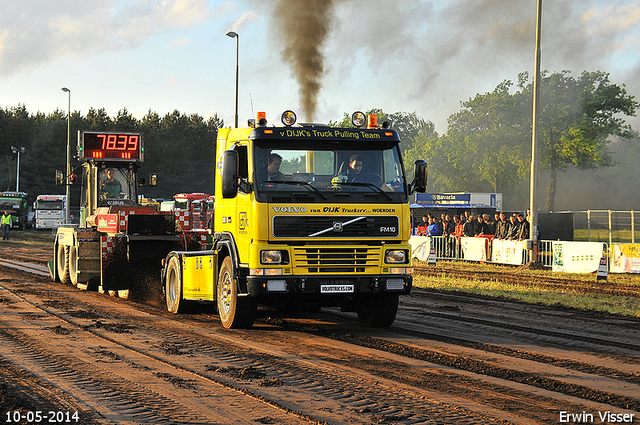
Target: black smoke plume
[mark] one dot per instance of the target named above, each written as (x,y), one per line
(303,26)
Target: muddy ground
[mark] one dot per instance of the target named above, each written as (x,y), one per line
(449,358)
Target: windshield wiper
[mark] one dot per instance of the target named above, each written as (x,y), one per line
(369,185)
(299,183)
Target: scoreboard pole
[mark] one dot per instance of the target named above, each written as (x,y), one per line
(67,214)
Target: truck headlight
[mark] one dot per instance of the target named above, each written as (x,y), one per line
(395,256)
(271,257)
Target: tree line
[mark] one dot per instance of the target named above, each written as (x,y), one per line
(179,148)
(486,148)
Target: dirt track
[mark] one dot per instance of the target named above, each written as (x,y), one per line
(447,359)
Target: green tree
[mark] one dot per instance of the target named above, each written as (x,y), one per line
(488,142)
(485,144)
(577,118)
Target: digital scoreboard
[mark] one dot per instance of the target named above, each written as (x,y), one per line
(110,146)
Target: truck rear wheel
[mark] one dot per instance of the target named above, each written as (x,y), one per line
(377,310)
(235,312)
(62,263)
(173,287)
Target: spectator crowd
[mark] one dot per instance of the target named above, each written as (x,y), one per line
(452,228)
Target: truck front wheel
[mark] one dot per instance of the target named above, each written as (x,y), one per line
(377,310)
(235,312)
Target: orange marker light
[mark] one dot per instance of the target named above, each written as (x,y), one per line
(372,121)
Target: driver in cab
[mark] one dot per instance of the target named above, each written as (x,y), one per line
(273,168)
(110,187)
(354,169)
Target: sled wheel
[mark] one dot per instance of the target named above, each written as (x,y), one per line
(73,265)
(62,259)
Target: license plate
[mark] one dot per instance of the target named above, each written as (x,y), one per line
(336,289)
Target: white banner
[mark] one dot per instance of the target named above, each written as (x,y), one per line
(625,258)
(505,251)
(420,247)
(576,257)
(474,249)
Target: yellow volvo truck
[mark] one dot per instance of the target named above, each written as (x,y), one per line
(305,215)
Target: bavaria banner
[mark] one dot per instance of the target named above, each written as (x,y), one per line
(577,257)
(475,249)
(507,251)
(420,247)
(625,258)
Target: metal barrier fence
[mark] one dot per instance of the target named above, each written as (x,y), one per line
(606,226)
(449,248)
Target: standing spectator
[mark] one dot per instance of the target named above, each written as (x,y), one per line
(433,229)
(469,228)
(448,226)
(501,226)
(480,226)
(457,235)
(514,227)
(448,231)
(491,225)
(7,219)
(523,231)
(422,227)
(459,225)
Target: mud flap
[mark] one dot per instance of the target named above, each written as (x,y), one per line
(114,265)
(52,270)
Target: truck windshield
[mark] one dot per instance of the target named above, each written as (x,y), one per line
(317,173)
(49,205)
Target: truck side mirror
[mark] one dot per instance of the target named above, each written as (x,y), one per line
(419,183)
(230,171)
(153,181)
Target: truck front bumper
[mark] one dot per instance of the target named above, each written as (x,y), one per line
(313,286)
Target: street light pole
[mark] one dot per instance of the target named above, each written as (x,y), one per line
(235,35)
(67,191)
(18,151)
(533,203)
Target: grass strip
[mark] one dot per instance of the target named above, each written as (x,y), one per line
(612,304)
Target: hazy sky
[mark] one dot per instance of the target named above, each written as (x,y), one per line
(398,55)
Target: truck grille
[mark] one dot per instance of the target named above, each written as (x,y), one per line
(299,226)
(336,260)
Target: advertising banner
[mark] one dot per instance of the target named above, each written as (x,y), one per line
(505,251)
(474,249)
(420,247)
(625,258)
(576,257)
